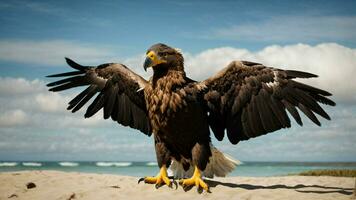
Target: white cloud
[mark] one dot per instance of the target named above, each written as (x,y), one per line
(13,118)
(335,64)
(51,102)
(18,86)
(47,109)
(51,52)
(292,28)
(30,95)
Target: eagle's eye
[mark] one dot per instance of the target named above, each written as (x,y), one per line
(162,54)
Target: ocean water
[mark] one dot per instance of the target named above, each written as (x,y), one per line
(140,169)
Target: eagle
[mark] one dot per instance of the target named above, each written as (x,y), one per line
(244,100)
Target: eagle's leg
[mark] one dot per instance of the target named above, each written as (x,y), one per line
(200,157)
(160,179)
(163,160)
(196,180)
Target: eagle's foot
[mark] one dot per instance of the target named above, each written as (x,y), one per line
(195,180)
(159,180)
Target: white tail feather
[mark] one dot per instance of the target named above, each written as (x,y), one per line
(219,164)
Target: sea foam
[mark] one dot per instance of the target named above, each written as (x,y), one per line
(68,164)
(113,164)
(151,164)
(32,164)
(8,164)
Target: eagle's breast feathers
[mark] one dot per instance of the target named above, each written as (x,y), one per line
(164,97)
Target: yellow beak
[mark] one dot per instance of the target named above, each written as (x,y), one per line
(152,60)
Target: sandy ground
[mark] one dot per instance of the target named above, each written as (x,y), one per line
(63,185)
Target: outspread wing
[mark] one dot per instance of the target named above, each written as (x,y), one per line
(119,91)
(248,100)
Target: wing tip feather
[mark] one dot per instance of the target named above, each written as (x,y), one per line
(300,74)
(74,65)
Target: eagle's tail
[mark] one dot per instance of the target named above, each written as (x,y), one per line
(219,164)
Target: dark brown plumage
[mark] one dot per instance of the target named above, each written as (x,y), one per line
(243,101)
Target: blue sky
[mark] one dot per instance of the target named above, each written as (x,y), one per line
(317,36)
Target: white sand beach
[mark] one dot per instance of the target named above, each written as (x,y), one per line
(71,185)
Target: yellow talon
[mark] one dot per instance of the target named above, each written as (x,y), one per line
(195,180)
(160,179)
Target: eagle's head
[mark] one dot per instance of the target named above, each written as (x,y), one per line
(163,57)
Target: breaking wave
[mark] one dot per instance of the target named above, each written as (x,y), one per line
(113,164)
(32,164)
(151,164)
(8,164)
(68,164)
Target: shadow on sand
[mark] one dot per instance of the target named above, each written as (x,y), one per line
(299,188)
